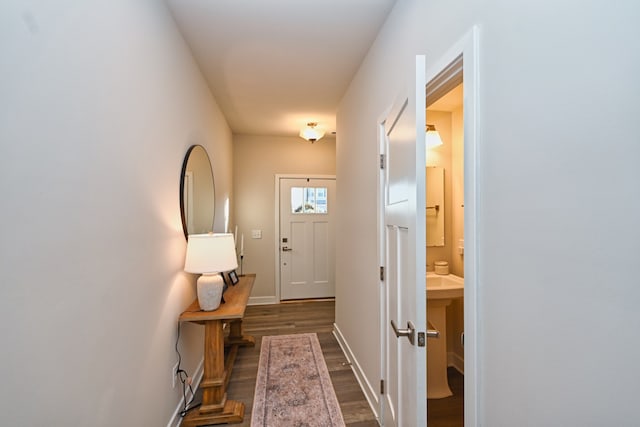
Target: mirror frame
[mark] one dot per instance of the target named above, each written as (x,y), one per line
(182,182)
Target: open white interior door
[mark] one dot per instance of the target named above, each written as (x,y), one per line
(404,252)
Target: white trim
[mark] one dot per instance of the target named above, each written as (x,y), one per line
(468,47)
(370,392)
(471,146)
(176,419)
(456,361)
(278,176)
(263,300)
(381,258)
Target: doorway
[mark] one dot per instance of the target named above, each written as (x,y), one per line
(305,236)
(451,100)
(445,250)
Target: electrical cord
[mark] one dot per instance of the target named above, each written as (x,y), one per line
(185,380)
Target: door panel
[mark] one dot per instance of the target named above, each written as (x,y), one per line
(297,233)
(398,171)
(404,245)
(307,242)
(392,373)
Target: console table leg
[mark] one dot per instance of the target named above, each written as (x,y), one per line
(213,393)
(235,335)
(215,408)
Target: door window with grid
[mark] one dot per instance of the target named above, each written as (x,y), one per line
(309,200)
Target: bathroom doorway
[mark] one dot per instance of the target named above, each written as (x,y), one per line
(451,99)
(445,255)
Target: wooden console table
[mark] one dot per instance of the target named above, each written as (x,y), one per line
(215,408)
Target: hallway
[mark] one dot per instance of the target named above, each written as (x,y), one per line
(295,318)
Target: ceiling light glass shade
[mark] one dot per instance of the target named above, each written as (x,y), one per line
(311,132)
(433,137)
(210,253)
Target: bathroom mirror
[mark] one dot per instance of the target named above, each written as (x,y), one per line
(435,206)
(197,192)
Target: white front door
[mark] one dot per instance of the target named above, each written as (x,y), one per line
(404,256)
(307,238)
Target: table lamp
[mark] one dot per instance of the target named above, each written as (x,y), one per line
(209,255)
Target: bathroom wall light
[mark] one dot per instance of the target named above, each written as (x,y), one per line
(311,132)
(433,137)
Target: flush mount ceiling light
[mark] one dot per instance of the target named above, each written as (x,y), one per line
(311,132)
(433,137)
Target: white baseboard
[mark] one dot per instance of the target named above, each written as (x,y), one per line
(456,361)
(262,300)
(176,419)
(369,392)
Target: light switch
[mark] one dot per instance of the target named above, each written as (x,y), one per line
(256,234)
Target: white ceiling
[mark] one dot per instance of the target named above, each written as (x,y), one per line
(450,101)
(274,65)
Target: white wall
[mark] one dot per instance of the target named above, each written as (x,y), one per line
(456,262)
(257,159)
(455,312)
(441,156)
(372,91)
(559,202)
(99,104)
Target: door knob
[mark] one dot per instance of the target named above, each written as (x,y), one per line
(286,249)
(410,332)
(433,332)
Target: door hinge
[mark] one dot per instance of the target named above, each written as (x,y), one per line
(381,274)
(381,386)
(381,161)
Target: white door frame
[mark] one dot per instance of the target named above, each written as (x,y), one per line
(277,220)
(468,47)
(379,398)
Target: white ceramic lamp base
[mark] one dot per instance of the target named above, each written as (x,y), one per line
(210,287)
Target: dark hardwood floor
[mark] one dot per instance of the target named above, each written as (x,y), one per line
(448,412)
(318,316)
(295,318)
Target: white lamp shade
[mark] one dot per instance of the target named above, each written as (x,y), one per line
(210,253)
(433,138)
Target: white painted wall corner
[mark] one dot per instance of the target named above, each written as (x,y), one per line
(176,419)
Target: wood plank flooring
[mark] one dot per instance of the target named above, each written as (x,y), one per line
(318,316)
(294,318)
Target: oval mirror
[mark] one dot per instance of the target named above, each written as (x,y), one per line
(197,192)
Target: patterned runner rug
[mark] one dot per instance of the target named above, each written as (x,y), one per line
(293,387)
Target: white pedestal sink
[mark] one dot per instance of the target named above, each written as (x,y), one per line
(441,290)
